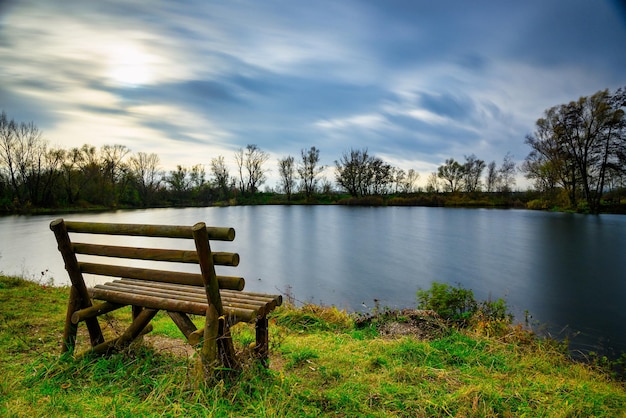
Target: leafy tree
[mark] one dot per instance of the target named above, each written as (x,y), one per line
(452,173)
(351,172)
(472,171)
(581,144)
(286,171)
(308,170)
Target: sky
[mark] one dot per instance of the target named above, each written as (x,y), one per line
(414,82)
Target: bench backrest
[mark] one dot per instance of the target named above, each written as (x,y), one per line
(203,256)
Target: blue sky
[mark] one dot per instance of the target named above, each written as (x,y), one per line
(415,82)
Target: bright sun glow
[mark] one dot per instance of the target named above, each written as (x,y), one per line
(129,65)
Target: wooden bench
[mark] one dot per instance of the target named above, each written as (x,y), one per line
(220,299)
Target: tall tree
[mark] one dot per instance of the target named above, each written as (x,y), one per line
(308,170)
(452,174)
(506,174)
(221,175)
(251,172)
(147,175)
(286,172)
(351,172)
(581,142)
(472,171)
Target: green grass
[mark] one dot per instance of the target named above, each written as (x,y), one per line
(321,364)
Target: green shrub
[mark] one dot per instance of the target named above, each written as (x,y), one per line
(458,305)
(453,304)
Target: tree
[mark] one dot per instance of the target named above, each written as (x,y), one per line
(410,182)
(308,170)
(472,171)
(30,168)
(432,183)
(581,144)
(452,174)
(491,180)
(506,174)
(351,171)
(251,172)
(360,174)
(221,175)
(147,175)
(286,171)
(114,172)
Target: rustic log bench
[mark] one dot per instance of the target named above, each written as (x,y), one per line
(220,299)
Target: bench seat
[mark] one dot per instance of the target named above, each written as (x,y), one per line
(239,306)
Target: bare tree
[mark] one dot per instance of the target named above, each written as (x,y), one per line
(251,172)
(506,174)
(491,180)
(287,171)
(308,170)
(221,175)
(432,183)
(147,175)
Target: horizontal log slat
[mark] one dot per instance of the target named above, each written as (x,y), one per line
(186,293)
(171,302)
(153,254)
(164,276)
(158,231)
(248,297)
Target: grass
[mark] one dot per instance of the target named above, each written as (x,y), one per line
(321,364)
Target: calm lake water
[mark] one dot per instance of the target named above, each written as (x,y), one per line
(567,271)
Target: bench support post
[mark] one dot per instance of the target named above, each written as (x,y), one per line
(79,296)
(262,340)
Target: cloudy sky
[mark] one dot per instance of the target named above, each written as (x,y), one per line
(414,82)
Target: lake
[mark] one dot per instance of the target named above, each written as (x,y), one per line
(566,271)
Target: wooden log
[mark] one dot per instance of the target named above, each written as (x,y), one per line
(207,268)
(184,324)
(81,297)
(70,329)
(164,276)
(196,337)
(153,254)
(138,327)
(183,292)
(94,310)
(154,302)
(262,340)
(225,346)
(159,231)
(233,305)
(150,301)
(209,351)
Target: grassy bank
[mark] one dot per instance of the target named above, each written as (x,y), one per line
(322,364)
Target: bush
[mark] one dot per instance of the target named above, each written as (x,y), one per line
(458,305)
(453,304)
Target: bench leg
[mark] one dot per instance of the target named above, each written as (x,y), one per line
(69,332)
(225,345)
(74,304)
(262,340)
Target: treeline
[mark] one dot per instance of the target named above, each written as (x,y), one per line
(578,154)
